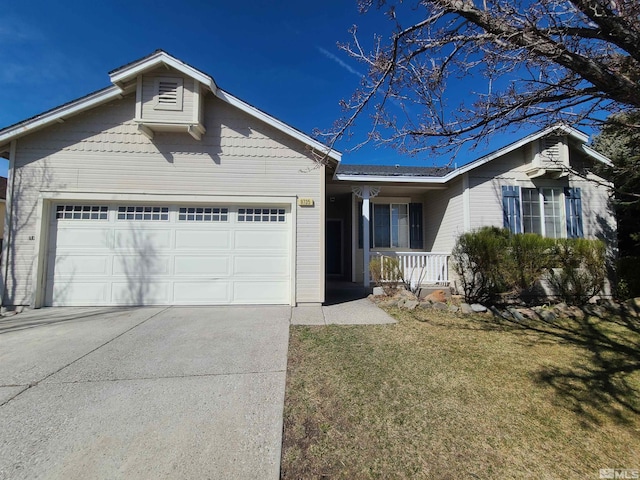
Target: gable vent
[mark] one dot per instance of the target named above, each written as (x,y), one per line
(168,93)
(551,148)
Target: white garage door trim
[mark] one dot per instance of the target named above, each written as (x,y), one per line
(253,289)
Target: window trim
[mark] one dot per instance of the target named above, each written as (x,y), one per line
(408,226)
(540,204)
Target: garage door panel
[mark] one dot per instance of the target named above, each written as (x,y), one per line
(260,292)
(79,265)
(141,265)
(199,239)
(211,257)
(202,265)
(141,292)
(261,265)
(139,240)
(261,239)
(83,238)
(194,292)
(84,293)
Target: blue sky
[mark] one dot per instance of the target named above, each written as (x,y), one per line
(279,56)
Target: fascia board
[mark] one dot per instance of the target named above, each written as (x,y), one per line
(59,113)
(394,179)
(520,143)
(598,156)
(283,127)
(134,70)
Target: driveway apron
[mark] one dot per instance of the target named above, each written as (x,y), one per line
(180,392)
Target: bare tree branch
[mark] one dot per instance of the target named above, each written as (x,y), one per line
(528,61)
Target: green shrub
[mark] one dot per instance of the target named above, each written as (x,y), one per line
(477,259)
(529,257)
(580,269)
(492,261)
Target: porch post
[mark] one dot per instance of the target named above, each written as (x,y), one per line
(365,233)
(366,193)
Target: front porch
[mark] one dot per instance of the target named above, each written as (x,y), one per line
(399,224)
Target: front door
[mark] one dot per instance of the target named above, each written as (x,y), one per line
(333,257)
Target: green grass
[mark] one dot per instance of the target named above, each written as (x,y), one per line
(441,396)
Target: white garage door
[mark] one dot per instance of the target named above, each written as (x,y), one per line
(169,255)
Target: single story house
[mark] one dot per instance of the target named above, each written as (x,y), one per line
(164,189)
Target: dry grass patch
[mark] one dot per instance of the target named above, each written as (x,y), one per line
(441,396)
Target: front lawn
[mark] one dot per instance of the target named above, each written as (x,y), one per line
(444,396)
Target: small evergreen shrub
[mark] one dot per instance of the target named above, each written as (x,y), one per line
(528,257)
(580,269)
(477,259)
(492,261)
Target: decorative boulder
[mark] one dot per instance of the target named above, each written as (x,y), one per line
(477,308)
(466,308)
(377,291)
(436,296)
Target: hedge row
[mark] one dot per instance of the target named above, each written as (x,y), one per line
(491,262)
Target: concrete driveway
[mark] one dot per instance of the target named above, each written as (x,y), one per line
(179,392)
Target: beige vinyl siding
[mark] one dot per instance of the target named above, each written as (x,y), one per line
(597,212)
(149,113)
(485,186)
(102,151)
(444,217)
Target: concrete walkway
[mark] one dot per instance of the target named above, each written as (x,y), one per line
(353,312)
(143,393)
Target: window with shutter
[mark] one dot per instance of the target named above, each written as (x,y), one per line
(511,209)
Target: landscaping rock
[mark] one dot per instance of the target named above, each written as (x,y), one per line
(477,308)
(577,313)
(466,308)
(546,315)
(454,308)
(528,313)
(437,296)
(439,306)
(516,314)
(400,302)
(633,304)
(411,304)
(406,294)
(377,291)
(426,305)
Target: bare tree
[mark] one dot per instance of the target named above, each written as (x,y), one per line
(534,62)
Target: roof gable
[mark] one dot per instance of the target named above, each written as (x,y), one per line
(430,177)
(124,81)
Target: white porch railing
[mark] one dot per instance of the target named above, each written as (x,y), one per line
(417,268)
